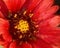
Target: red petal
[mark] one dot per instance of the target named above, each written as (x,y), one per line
(1,15)
(19,46)
(14,5)
(3,8)
(32,5)
(52,22)
(12,45)
(44,5)
(4,25)
(44,11)
(26,45)
(45,14)
(52,37)
(7,37)
(40,44)
(49,31)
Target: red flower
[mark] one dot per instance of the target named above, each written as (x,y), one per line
(29,24)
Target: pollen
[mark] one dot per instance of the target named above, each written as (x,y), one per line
(30,15)
(15,15)
(24,12)
(20,36)
(23,26)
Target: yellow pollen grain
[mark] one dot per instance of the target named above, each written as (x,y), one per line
(23,26)
(24,12)
(20,36)
(30,15)
(15,27)
(15,15)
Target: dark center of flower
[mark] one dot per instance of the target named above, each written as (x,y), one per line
(21,27)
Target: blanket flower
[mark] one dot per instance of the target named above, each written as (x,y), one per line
(29,24)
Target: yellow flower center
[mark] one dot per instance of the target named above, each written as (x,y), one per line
(23,26)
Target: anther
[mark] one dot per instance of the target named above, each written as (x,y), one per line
(15,15)
(30,15)
(20,36)
(24,12)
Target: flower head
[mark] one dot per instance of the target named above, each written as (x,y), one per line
(29,24)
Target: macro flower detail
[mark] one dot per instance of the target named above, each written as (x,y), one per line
(29,24)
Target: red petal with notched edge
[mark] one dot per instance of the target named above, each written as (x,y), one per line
(44,9)
(44,5)
(39,16)
(14,5)
(52,22)
(55,21)
(49,31)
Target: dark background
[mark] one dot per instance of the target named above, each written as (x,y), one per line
(57,2)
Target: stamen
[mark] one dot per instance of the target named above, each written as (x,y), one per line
(30,15)
(15,15)
(20,36)
(24,13)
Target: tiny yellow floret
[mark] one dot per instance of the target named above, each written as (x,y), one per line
(20,36)
(30,15)
(24,12)
(15,15)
